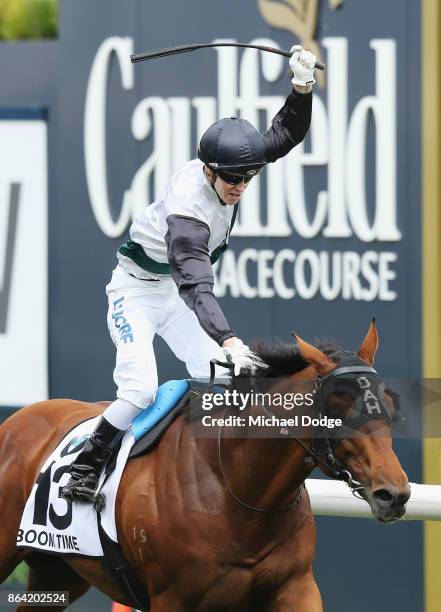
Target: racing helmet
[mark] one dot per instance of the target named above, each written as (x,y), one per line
(234,146)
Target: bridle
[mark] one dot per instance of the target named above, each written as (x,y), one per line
(321,452)
(323,447)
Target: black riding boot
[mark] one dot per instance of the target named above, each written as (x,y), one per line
(86,469)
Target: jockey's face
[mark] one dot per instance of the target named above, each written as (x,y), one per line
(230,194)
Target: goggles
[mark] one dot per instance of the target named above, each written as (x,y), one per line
(235,179)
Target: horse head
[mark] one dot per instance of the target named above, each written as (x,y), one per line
(360,451)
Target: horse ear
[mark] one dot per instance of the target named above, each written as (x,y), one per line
(314,356)
(369,346)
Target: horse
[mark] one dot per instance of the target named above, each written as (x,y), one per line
(219,523)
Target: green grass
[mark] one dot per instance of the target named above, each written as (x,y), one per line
(28,19)
(19,575)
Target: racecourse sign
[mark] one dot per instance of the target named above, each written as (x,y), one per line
(336,142)
(279,208)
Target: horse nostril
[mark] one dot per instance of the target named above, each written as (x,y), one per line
(402,499)
(384,498)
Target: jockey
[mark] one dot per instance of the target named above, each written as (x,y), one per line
(163,283)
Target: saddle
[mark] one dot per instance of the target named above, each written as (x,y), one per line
(150,425)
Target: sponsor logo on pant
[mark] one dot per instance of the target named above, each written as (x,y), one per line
(123,327)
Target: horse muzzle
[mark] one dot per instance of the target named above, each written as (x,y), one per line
(388,504)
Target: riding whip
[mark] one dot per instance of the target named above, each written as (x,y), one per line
(139,57)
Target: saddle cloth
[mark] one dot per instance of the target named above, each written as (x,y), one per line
(55,525)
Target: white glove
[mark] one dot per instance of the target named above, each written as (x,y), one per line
(302,63)
(243,358)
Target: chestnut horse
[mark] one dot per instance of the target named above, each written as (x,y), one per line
(215,524)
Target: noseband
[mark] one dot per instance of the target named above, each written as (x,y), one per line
(371,406)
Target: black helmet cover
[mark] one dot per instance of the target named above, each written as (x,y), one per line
(233,145)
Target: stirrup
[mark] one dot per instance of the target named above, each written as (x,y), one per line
(78,491)
(77,496)
(99,500)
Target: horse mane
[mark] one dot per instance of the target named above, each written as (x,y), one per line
(284,359)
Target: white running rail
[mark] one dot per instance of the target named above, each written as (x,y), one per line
(333,498)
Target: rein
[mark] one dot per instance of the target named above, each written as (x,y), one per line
(321,454)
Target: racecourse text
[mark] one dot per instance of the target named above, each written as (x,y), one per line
(306,274)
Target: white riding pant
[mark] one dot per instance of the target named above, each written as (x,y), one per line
(139,309)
